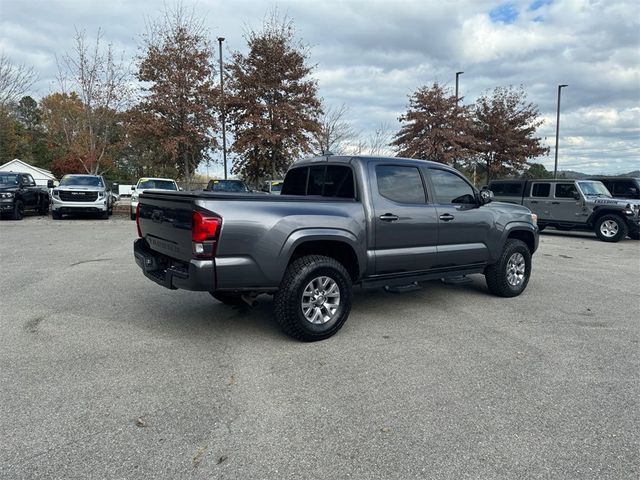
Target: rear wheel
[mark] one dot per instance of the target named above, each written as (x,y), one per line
(228,298)
(18,210)
(509,276)
(611,228)
(314,299)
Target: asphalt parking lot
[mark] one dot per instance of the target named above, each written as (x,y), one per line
(104,374)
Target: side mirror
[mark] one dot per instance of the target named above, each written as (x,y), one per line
(576,195)
(49,183)
(180,189)
(486,196)
(133,187)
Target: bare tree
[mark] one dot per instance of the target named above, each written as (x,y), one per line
(376,143)
(102,84)
(335,132)
(15,80)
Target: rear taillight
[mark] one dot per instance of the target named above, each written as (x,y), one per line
(204,233)
(138,220)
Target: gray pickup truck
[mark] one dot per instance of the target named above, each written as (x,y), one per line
(339,222)
(574,205)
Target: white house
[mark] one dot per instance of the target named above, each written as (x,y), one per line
(40,175)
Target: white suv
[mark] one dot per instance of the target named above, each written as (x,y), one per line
(150,184)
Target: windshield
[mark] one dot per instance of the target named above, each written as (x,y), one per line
(227,186)
(594,188)
(81,181)
(8,178)
(157,184)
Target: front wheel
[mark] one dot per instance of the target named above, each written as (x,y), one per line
(314,299)
(18,210)
(611,228)
(509,276)
(55,215)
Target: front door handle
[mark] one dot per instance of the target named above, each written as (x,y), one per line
(446,217)
(389,217)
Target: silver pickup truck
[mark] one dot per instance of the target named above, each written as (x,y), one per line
(574,205)
(340,221)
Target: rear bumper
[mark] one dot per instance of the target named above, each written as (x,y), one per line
(197,275)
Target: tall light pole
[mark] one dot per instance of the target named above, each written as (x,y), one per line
(555,166)
(224,126)
(457,82)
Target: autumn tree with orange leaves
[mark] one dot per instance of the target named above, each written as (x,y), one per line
(435,127)
(179,109)
(273,104)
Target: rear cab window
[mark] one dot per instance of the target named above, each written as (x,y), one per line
(335,181)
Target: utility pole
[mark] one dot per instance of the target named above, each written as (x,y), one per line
(555,166)
(223,103)
(457,81)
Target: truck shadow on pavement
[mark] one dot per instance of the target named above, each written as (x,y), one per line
(208,318)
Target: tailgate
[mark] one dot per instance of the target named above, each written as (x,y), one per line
(165,223)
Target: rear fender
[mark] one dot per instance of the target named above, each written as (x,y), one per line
(305,235)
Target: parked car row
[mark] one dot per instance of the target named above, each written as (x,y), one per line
(578,204)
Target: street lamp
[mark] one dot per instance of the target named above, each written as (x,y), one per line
(224,126)
(457,76)
(555,167)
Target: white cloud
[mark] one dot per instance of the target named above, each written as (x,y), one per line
(372,54)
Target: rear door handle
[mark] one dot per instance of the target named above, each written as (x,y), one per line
(534,201)
(389,217)
(555,203)
(446,217)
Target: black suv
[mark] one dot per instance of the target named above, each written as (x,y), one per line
(621,187)
(19,192)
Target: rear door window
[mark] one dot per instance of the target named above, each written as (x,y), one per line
(541,190)
(400,184)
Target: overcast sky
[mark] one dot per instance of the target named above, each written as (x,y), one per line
(371,54)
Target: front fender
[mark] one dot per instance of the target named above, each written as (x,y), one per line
(530,233)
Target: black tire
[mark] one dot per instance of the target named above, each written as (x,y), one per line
(104,215)
(228,298)
(43,209)
(634,235)
(497,275)
(56,215)
(133,215)
(611,228)
(18,210)
(288,299)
